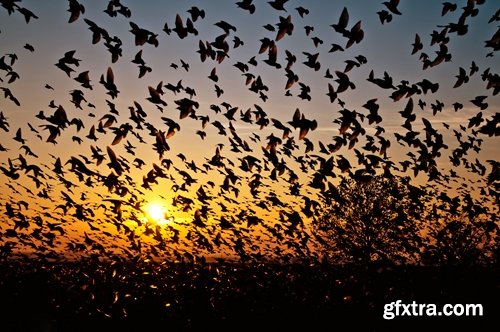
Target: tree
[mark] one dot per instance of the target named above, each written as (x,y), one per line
(371,220)
(462,232)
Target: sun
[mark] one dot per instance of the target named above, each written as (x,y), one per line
(157,212)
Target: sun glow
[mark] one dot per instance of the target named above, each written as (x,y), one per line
(157,212)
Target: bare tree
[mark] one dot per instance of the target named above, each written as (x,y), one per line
(462,231)
(375,220)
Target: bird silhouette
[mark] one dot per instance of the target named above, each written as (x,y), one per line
(384,16)
(302,11)
(392,5)
(479,101)
(75,9)
(462,78)
(84,79)
(29,47)
(285,27)
(179,28)
(343,81)
(304,125)
(196,13)
(448,7)
(109,83)
(97,31)
(28,14)
(312,61)
(278,4)
(246,5)
(355,35)
(9,95)
(343,21)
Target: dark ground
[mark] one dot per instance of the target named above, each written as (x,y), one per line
(89,296)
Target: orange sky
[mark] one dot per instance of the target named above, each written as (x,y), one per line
(220,187)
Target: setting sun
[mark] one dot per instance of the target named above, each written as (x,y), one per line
(157,212)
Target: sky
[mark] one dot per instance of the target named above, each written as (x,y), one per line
(78,207)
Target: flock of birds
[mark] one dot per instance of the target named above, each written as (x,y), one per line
(252,194)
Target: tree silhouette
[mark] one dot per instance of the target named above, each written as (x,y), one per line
(462,232)
(371,220)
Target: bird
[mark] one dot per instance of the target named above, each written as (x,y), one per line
(285,27)
(269,27)
(29,47)
(179,28)
(19,137)
(332,94)
(457,106)
(69,58)
(462,78)
(335,48)
(476,120)
(84,79)
(308,29)
(494,175)
(473,68)
(479,101)
(155,96)
(75,9)
(448,7)
(213,75)
(142,36)
(417,44)
(246,5)
(317,41)
(196,13)
(28,14)
(109,83)
(218,90)
(278,4)
(304,125)
(392,5)
(227,27)
(302,11)
(343,81)
(8,94)
(184,65)
(312,60)
(384,16)
(237,42)
(97,32)
(372,106)
(292,78)
(343,21)
(355,35)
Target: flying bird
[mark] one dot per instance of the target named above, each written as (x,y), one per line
(384,16)
(302,11)
(75,9)
(246,5)
(109,83)
(28,14)
(448,7)
(278,4)
(343,21)
(392,5)
(417,44)
(462,78)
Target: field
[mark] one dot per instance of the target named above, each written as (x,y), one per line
(142,296)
